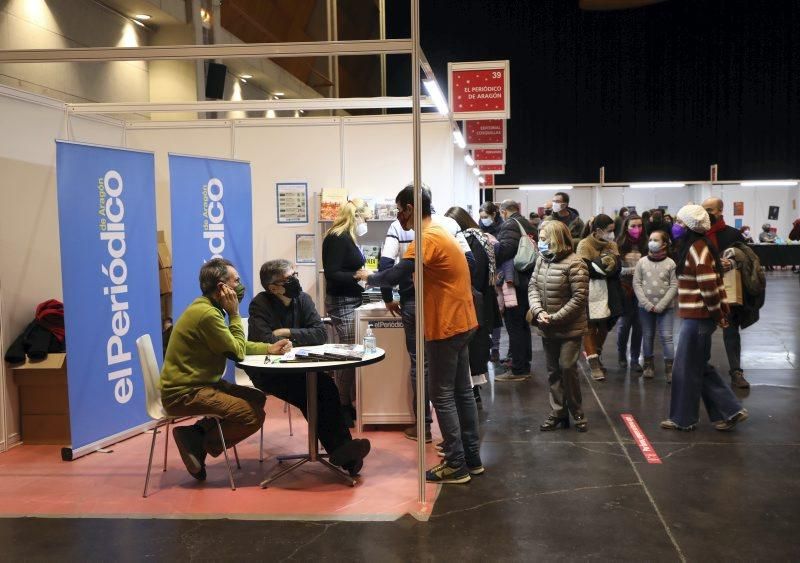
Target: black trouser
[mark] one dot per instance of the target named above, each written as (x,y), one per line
(331,427)
(732,340)
(519,333)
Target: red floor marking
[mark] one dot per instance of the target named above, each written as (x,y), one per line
(641,440)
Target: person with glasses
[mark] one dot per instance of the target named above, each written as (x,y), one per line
(284,310)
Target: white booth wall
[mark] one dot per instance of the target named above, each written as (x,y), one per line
(29,240)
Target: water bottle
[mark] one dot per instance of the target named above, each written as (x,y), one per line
(369,341)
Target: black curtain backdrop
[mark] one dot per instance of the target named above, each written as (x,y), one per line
(656,93)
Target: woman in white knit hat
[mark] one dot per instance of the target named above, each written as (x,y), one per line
(702,305)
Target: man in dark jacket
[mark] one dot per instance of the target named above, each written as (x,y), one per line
(519,331)
(567,215)
(283,310)
(724,236)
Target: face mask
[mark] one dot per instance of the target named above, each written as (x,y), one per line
(292,288)
(635,232)
(747,233)
(548,212)
(543,246)
(487,221)
(654,246)
(240,290)
(606,236)
(678,231)
(404,217)
(712,218)
(557,207)
(361,229)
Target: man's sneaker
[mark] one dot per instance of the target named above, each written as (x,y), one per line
(725,425)
(475,467)
(738,380)
(189,440)
(512,377)
(411,434)
(670,425)
(446,474)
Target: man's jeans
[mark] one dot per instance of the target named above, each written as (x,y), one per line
(664,323)
(450,388)
(409,316)
(693,378)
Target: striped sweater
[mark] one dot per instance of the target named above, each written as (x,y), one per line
(701,293)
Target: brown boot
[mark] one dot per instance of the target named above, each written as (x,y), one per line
(668,370)
(738,380)
(597,370)
(649,368)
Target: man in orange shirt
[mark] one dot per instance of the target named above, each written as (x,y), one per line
(450,322)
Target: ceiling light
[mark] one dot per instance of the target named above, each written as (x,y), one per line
(247,76)
(645,185)
(468,159)
(270,114)
(476,171)
(436,95)
(769,183)
(458,139)
(546,187)
(244,80)
(278,94)
(142,17)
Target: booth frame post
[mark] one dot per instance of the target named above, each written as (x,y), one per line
(418,277)
(382,37)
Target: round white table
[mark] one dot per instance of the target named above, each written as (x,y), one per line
(272,365)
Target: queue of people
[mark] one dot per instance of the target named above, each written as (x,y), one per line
(572,281)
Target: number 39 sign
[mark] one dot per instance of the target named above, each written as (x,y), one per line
(479,90)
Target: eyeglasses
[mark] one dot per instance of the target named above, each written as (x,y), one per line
(287,279)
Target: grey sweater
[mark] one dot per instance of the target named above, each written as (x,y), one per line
(655,284)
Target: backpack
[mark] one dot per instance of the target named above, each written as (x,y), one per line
(525,257)
(754,281)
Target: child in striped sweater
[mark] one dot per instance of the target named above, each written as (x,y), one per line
(702,305)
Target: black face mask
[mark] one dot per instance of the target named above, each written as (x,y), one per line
(548,212)
(292,288)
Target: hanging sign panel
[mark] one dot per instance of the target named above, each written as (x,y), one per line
(485,134)
(493,168)
(479,90)
(489,180)
(109,270)
(489,156)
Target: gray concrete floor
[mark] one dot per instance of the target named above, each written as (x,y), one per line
(558,495)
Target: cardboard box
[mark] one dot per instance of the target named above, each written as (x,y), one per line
(733,287)
(44,401)
(164,255)
(165,280)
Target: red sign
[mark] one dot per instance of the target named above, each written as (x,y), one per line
(479,89)
(494,168)
(641,440)
(485,133)
(490,156)
(489,180)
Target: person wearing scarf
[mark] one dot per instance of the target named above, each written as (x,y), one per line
(632,245)
(656,285)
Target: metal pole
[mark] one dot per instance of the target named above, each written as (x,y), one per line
(199,64)
(382,25)
(418,277)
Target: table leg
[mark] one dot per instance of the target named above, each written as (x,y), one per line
(342,475)
(311,408)
(283,472)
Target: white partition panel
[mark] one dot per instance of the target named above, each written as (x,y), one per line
(29,238)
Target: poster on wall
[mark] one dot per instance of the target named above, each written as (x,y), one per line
(109,270)
(292,200)
(304,249)
(738,208)
(773,212)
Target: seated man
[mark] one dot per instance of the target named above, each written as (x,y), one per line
(191,379)
(283,310)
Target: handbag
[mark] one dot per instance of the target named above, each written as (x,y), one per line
(598,300)
(525,257)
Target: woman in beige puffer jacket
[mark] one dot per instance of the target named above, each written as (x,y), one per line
(558,294)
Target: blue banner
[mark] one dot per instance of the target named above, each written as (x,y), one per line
(212,217)
(109,269)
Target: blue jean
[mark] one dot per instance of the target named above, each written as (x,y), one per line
(628,326)
(663,322)
(409,316)
(693,378)
(450,388)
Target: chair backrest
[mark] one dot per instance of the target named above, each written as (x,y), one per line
(329,329)
(239,375)
(151,376)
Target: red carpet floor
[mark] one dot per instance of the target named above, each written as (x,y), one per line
(35,482)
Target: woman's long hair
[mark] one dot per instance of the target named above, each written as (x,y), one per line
(686,244)
(346,220)
(460,216)
(626,243)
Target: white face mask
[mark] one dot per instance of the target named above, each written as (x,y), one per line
(486,221)
(747,233)
(607,236)
(557,207)
(361,229)
(654,246)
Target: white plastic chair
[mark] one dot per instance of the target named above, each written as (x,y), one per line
(155,409)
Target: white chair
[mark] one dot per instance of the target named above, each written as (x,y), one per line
(241,378)
(155,409)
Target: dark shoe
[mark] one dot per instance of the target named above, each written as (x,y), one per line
(354,467)
(553,422)
(636,367)
(348,414)
(668,371)
(581,425)
(476,390)
(476,469)
(411,434)
(597,370)
(350,453)
(649,368)
(738,381)
(725,425)
(669,425)
(447,474)
(189,440)
(623,362)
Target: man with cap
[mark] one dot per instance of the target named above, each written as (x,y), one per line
(724,236)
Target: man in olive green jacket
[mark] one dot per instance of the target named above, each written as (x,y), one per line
(191,379)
